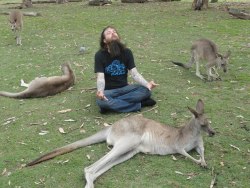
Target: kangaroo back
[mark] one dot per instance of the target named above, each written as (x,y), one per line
(42,87)
(61,83)
(204,49)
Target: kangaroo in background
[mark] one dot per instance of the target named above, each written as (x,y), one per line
(45,86)
(135,134)
(198,4)
(204,49)
(16,24)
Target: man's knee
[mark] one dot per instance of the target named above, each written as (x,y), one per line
(145,91)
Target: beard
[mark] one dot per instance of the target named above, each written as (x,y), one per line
(116,48)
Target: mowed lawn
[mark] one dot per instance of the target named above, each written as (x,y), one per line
(157,32)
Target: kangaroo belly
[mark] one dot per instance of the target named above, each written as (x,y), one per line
(156,145)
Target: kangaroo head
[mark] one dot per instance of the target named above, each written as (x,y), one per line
(13,25)
(222,61)
(201,118)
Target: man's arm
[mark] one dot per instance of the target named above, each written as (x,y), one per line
(138,77)
(100,81)
(100,86)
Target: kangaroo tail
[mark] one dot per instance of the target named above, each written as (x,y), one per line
(180,64)
(96,138)
(20,95)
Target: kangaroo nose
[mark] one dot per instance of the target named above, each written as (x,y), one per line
(211,133)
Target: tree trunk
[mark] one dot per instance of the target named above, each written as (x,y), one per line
(99,2)
(134,1)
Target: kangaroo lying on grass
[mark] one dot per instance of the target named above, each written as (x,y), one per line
(136,134)
(204,49)
(45,86)
(16,24)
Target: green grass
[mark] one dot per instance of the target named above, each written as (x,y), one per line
(157,33)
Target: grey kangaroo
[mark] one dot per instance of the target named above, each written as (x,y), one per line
(16,24)
(204,49)
(135,134)
(45,86)
(198,4)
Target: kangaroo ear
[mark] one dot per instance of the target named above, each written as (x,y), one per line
(193,112)
(200,106)
(219,55)
(228,54)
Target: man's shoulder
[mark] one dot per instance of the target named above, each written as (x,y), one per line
(127,49)
(101,52)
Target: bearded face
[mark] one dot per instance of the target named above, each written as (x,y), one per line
(115,48)
(113,43)
(110,34)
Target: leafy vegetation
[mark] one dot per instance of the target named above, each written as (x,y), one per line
(157,32)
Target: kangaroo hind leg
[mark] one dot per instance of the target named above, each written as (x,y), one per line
(191,61)
(198,70)
(23,84)
(123,150)
(200,150)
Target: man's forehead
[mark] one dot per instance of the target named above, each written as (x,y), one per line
(109,30)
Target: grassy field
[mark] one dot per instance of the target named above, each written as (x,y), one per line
(157,32)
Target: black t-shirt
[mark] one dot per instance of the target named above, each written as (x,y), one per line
(115,69)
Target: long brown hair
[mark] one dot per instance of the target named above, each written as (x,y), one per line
(103,45)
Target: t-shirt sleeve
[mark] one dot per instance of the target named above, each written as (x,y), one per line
(98,63)
(131,62)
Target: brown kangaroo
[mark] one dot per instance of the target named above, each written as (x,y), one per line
(16,24)
(45,86)
(135,134)
(204,49)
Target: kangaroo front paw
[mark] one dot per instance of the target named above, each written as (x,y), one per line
(218,78)
(203,164)
(200,76)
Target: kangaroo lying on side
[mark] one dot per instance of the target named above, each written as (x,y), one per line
(204,49)
(16,24)
(198,4)
(45,86)
(136,134)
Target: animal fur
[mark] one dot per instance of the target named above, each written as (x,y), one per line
(16,24)
(45,86)
(204,49)
(199,4)
(135,134)
(26,4)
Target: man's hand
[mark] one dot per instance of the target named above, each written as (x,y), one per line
(151,85)
(100,95)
